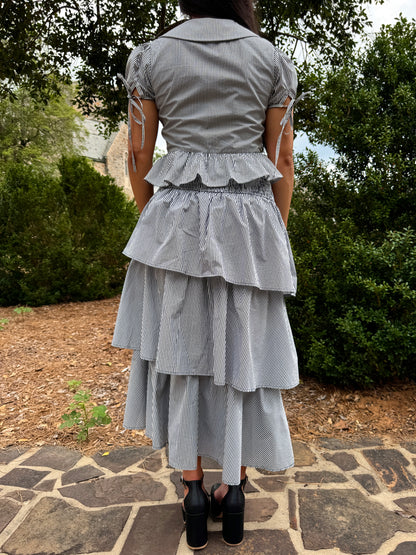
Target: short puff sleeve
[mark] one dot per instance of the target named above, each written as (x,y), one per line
(285,80)
(138,74)
(139,71)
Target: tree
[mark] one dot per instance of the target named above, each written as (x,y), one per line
(365,112)
(37,133)
(26,58)
(325,28)
(99,34)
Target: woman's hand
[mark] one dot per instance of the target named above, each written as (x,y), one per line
(282,189)
(143,157)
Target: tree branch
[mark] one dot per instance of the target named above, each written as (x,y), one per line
(162,19)
(296,37)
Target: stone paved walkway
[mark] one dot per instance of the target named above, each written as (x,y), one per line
(341,497)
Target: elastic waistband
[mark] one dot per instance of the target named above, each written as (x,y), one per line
(259,186)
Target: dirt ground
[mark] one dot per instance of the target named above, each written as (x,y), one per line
(40,351)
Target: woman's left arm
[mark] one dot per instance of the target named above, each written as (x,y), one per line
(143,157)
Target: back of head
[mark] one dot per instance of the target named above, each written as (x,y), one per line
(241,11)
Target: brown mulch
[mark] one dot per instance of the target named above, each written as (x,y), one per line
(43,349)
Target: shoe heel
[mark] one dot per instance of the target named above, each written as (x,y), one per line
(196,530)
(233,528)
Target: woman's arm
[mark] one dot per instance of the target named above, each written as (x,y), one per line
(282,189)
(143,157)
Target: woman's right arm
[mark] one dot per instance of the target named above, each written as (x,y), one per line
(282,189)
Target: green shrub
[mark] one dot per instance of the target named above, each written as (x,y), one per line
(61,239)
(102,220)
(354,318)
(35,238)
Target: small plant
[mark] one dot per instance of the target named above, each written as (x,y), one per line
(22,309)
(3,321)
(83,413)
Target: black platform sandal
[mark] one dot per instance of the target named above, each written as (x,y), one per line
(233,514)
(231,510)
(195,511)
(216,506)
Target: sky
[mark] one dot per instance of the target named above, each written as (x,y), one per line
(387,12)
(379,15)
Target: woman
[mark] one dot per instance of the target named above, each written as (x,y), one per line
(203,303)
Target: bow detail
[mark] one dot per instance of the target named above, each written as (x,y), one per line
(288,117)
(134,102)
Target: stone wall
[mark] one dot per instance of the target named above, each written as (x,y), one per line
(116,160)
(100,167)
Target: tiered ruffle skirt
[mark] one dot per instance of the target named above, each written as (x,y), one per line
(203,308)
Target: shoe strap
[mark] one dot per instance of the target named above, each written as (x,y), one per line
(187,482)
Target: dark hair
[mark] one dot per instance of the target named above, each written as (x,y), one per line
(241,11)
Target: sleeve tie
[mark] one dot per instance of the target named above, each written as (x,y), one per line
(134,102)
(288,117)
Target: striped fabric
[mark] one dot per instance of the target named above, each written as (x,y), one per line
(204,232)
(203,304)
(212,81)
(195,417)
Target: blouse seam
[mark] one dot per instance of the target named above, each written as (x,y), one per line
(282,98)
(276,71)
(145,65)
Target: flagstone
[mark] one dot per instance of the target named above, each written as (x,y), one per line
(390,465)
(303,454)
(319,477)
(56,457)
(23,477)
(259,509)
(405,548)
(345,461)
(368,483)
(116,490)
(272,483)
(10,453)
(120,459)
(45,485)
(8,510)
(156,530)
(54,527)
(335,444)
(408,504)
(21,495)
(264,542)
(347,520)
(81,474)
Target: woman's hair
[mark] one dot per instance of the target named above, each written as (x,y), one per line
(241,11)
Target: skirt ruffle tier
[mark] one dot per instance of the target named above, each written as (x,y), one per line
(208,326)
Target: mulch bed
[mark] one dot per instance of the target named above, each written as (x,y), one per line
(40,351)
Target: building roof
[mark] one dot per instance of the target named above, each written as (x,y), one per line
(95,144)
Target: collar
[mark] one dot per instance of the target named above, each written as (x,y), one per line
(209,29)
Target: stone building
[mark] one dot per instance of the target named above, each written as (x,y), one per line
(109,155)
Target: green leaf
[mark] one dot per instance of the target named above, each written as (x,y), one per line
(99,411)
(73,385)
(70,419)
(82,435)
(82,396)
(22,309)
